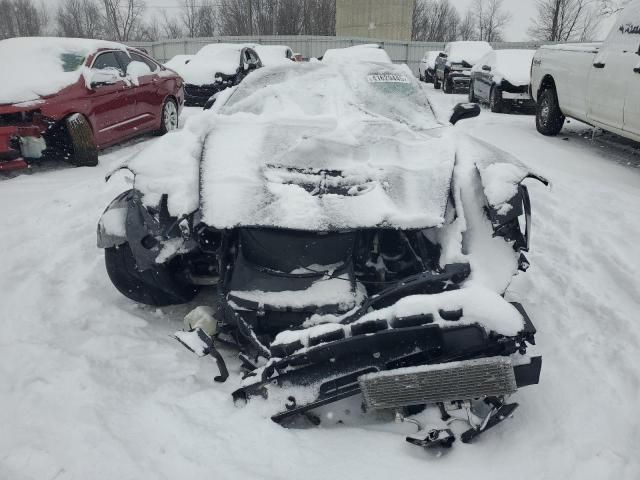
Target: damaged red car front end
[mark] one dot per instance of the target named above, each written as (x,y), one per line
(21,136)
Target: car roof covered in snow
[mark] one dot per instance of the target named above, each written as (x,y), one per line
(40,66)
(513,65)
(274,54)
(466,51)
(370,52)
(327,147)
(210,60)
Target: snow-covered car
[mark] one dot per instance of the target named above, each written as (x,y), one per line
(591,82)
(453,66)
(361,247)
(501,78)
(274,54)
(369,52)
(215,67)
(66,98)
(178,61)
(426,68)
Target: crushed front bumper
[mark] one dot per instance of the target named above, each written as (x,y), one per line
(11,157)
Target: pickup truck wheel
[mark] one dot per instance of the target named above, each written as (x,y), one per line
(436,81)
(549,118)
(158,286)
(472,93)
(81,145)
(495,100)
(446,85)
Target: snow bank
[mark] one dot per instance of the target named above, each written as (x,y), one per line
(39,66)
(210,60)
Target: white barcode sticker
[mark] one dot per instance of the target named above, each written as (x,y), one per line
(386,77)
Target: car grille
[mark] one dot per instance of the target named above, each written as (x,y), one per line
(443,382)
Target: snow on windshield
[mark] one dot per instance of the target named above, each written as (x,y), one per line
(178,62)
(36,67)
(210,60)
(469,52)
(511,65)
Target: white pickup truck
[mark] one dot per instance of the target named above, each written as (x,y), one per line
(597,83)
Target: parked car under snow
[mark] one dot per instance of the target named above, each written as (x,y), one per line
(501,78)
(360,246)
(427,66)
(215,67)
(453,66)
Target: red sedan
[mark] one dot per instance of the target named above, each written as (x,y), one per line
(68,98)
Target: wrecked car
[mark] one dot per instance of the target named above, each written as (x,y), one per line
(66,98)
(359,246)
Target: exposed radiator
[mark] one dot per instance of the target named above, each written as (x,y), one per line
(442,382)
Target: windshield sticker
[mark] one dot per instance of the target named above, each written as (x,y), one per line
(387,77)
(630,28)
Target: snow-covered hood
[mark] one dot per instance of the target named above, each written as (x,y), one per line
(37,67)
(317,147)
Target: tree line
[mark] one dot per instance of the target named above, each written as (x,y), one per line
(432,20)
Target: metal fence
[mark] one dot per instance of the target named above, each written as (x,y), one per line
(311,46)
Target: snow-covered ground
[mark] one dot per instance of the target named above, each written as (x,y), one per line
(93,387)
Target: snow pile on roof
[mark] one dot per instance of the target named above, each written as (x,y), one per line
(326,147)
(511,65)
(178,62)
(35,67)
(273,54)
(466,51)
(210,60)
(370,52)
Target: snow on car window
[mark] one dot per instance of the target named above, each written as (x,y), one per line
(71,61)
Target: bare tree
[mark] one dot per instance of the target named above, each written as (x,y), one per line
(123,18)
(80,18)
(435,21)
(206,19)
(171,26)
(468,28)
(21,18)
(189,17)
(491,19)
(564,20)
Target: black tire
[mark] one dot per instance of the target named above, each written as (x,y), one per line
(428,78)
(549,117)
(495,100)
(446,85)
(168,108)
(436,81)
(82,149)
(472,94)
(158,286)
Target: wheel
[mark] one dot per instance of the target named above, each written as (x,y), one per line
(549,117)
(436,81)
(158,286)
(169,116)
(447,86)
(472,94)
(80,148)
(495,100)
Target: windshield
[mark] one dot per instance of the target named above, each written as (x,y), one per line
(368,90)
(71,61)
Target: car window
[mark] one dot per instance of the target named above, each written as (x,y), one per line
(107,60)
(139,58)
(71,61)
(124,59)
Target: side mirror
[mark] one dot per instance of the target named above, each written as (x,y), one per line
(106,76)
(463,111)
(486,68)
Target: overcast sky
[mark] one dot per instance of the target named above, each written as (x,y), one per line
(521,13)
